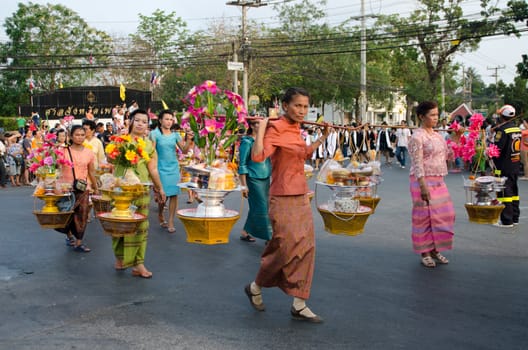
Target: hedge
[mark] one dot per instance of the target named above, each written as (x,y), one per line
(8,123)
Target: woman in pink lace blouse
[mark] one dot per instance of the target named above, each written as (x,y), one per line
(433,214)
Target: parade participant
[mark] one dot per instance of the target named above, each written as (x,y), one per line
(3,162)
(93,143)
(130,250)
(109,131)
(15,156)
(383,144)
(402,139)
(288,259)
(83,169)
(524,149)
(433,214)
(363,143)
(89,114)
(21,124)
(320,151)
(166,142)
(255,178)
(62,138)
(331,143)
(508,164)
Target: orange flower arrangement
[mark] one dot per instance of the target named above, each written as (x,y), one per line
(126,151)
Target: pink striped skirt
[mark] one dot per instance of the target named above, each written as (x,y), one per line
(433,224)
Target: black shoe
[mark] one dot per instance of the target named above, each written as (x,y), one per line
(296,315)
(259,307)
(247,238)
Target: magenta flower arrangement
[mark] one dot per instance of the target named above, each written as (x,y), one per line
(473,146)
(215,116)
(46,159)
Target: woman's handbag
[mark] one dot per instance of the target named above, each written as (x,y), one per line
(79,184)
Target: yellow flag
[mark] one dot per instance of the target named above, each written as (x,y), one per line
(164,105)
(122,90)
(455,42)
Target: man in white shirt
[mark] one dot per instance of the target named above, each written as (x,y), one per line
(403,135)
(443,129)
(93,142)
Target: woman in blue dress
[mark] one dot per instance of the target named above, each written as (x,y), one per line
(255,177)
(165,141)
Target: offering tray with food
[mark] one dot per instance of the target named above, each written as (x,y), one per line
(351,224)
(483,190)
(221,177)
(482,205)
(212,200)
(355,174)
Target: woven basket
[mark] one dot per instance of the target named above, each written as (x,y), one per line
(204,230)
(53,220)
(351,224)
(101,205)
(120,226)
(484,214)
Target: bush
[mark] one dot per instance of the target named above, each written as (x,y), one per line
(8,123)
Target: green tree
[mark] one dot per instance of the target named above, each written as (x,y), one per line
(50,44)
(161,39)
(439,29)
(516,94)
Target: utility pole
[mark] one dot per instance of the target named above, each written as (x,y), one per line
(235,72)
(467,82)
(363,57)
(443,96)
(496,76)
(244,47)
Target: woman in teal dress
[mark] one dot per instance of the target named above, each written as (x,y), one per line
(165,142)
(255,177)
(130,250)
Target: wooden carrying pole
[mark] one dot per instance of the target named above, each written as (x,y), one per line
(323,125)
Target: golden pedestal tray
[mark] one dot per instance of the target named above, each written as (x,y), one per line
(50,216)
(50,202)
(123,197)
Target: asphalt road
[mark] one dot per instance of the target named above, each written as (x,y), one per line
(370,289)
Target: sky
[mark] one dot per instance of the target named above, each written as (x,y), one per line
(120,17)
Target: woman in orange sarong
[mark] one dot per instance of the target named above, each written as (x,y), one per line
(288,260)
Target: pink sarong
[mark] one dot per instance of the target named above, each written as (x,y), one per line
(433,224)
(288,260)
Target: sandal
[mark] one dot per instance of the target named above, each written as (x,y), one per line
(171,229)
(296,315)
(119,265)
(259,307)
(81,249)
(164,224)
(144,274)
(70,241)
(247,238)
(428,261)
(440,258)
